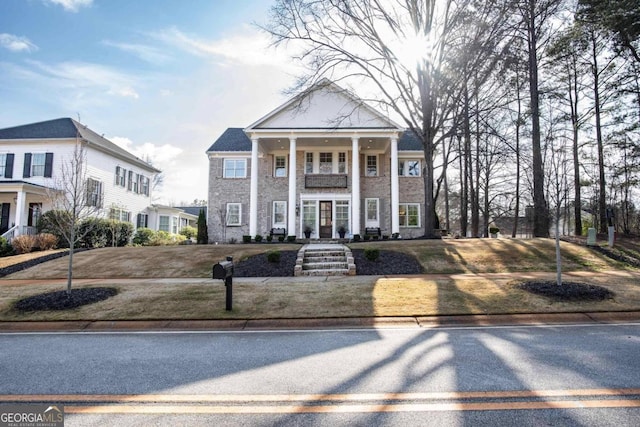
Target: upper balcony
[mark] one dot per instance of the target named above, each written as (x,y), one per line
(325,181)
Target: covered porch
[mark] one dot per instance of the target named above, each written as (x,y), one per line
(21,205)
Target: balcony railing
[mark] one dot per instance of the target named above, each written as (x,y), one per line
(325,181)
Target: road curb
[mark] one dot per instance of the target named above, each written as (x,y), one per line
(321,323)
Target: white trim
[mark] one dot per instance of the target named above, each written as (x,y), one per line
(275,164)
(275,224)
(291,216)
(239,223)
(367,222)
(395,188)
(253,195)
(224,167)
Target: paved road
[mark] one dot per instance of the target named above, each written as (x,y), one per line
(555,375)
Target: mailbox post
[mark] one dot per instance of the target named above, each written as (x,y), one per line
(224,271)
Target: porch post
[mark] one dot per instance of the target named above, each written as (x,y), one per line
(395,187)
(291,205)
(253,196)
(355,186)
(21,208)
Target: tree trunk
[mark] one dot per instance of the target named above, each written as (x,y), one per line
(540,214)
(602,202)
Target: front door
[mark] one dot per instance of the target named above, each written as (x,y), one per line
(326,220)
(4,218)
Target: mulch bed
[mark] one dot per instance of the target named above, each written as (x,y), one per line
(568,291)
(60,300)
(389,262)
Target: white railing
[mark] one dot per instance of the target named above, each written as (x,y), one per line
(15,232)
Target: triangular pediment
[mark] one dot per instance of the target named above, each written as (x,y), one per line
(324,106)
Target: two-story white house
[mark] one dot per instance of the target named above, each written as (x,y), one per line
(119,184)
(321,162)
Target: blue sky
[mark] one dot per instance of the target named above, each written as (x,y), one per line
(162,78)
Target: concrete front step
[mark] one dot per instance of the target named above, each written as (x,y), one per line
(324,265)
(332,272)
(324,260)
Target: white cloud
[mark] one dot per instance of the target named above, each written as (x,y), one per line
(146,53)
(16,43)
(71,5)
(249,47)
(82,76)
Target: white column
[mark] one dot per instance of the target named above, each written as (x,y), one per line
(253,196)
(355,186)
(291,215)
(21,208)
(395,187)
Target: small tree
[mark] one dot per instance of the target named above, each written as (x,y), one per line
(74,198)
(203,232)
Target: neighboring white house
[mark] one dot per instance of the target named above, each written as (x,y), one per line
(323,161)
(31,158)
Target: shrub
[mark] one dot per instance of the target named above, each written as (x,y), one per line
(164,238)
(233,241)
(258,238)
(281,239)
(46,241)
(203,230)
(367,237)
(189,232)
(372,254)
(273,256)
(23,244)
(246,239)
(356,237)
(143,236)
(5,248)
(291,239)
(494,230)
(269,238)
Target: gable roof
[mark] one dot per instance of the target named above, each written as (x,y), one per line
(325,105)
(67,128)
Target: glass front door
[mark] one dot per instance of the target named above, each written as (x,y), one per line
(326,219)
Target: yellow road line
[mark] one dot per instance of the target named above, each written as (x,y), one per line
(249,398)
(293,409)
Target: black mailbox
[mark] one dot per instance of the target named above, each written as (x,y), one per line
(223,269)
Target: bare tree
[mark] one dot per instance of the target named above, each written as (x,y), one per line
(399,47)
(74,198)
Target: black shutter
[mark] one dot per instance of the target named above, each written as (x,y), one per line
(8,166)
(48,165)
(26,171)
(4,218)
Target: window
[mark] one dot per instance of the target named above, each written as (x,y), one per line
(279,214)
(136,182)
(409,215)
(235,168)
(37,164)
(342,214)
(326,163)
(163,224)
(145,186)
(342,162)
(142,220)
(280,166)
(94,193)
(371,214)
(309,208)
(119,214)
(308,163)
(121,176)
(234,214)
(3,160)
(409,168)
(372,165)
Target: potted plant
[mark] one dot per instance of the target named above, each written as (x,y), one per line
(307,231)
(342,231)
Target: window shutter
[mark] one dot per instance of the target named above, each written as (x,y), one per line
(26,171)
(48,165)
(8,166)
(117,175)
